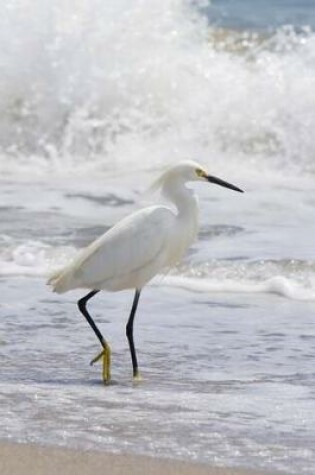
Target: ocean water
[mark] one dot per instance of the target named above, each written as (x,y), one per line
(261,14)
(96,98)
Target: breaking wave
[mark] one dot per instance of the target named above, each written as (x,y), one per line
(96,85)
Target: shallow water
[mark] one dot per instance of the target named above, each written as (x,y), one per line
(93,106)
(226,342)
(228,380)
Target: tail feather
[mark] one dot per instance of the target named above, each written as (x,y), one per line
(60,280)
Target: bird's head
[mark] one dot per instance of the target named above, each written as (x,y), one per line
(202,175)
(190,171)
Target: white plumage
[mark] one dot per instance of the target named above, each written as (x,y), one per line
(140,246)
(126,256)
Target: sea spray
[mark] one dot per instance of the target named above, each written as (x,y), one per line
(97,85)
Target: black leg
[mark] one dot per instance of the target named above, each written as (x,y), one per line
(106,352)
(129,333)
(82,307)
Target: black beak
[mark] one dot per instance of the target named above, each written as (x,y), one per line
(218,181)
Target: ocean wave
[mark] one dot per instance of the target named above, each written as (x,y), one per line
(287,278)
(31,258)
(277,285)
(137,84)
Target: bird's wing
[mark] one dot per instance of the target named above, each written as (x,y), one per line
(126,248)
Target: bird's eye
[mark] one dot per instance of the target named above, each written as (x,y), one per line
(200,173)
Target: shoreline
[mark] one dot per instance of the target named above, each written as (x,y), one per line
(31,459)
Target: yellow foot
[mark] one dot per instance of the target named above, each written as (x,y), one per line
(137,377)
(105,355)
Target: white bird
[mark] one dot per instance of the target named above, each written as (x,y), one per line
(137,248)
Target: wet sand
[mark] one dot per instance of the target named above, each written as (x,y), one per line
(26,459)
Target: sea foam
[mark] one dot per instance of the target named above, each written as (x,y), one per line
(277,285)
(96,85)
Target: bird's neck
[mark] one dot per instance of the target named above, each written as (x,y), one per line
(186,227)
(183,198)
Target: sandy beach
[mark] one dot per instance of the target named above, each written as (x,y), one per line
(25,459)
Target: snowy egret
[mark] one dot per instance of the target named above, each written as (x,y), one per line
(133,251)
